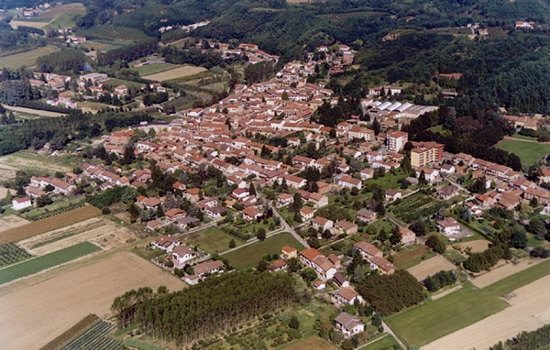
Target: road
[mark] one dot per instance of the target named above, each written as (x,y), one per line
(289,228)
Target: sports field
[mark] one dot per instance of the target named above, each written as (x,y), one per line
(44,262)
(425,323)
(528,152)
(175,73)
(43,307)
(27,58)
(250,255)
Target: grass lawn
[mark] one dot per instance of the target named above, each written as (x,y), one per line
(213,240)
(423,324)
(250,255)
(388,342)
(46,261)
(388,180)
(117,82)
(27,58)
(529,152)
(412,257)
(154,68)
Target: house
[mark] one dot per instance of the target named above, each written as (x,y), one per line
(347,181)
(407,236)
(396,140)
(186,221)
(366,174)
(216,212)
(284,199)
(347,295)
(293,181)
(320,285)
(367,250)
(166,243)
(251,213)
(448,226)
(306,214)
(366,215)
(383,265)
(447,169)
(322,223)
(277,265)
(191,279)
(288,252)
(340,280)
(240,193)
(311,257)
(175,213)
(392,194)
(345,227)
(429,174)
(335,260)
(21,203)
(349,325)
(208,268)
(148,203)
(425,153)
(447,192)
(318,200)
(181,254)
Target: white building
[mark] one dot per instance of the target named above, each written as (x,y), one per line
(21,203)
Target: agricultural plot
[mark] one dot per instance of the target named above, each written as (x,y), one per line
(46,261)
(250,255)
(411,257)
(431,267)
(212,240)
(31,163)
(11,253)
(11,221)
(35,24)
(476,246)
(95,338)
(25,59)
(113,33)
(175,73)
(68,295)
(35,112)
(313,343)
(51,223)
(154,68)
(416,206)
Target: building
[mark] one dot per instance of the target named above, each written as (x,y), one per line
(288,252)
(306,214)
(21,203)
(447,192)
(345,227)
(407,236)
(367,250)
(166,243)
(347,295)
(347,181)
(396,140)
(208,268)
(381,264)
(181,254)
(349,325)
(322,223)
(311,257)
(425,153)
(448,226)
(366,215)
(277,265)
(340,280)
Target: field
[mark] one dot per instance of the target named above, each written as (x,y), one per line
(37,112)
(476,246)
(176,73)
(386,343)
(81,326)
(99,231)
(95,338)
(416,206)
(113,33)
(27,58)
(430,267)
(31,163)
(44,262)
(501,272)
(49,224)
(409,254)
(529,310)
(423,324)
(36,24)
(313,343)
(154,68)
(116,82)
(4,192)
(212,240)
(64,15)
(68,296)
(11,253)
(250,255)
(529,152)
(11,221)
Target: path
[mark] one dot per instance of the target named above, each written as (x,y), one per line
(388,330)
(524,140)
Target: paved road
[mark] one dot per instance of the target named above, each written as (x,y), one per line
(289,228)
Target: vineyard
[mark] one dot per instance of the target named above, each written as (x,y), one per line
(416,206)
(95,338)
(54,222)
(11,253)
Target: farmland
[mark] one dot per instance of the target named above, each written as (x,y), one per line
(112,33)
(51,223)
(154,68)
(25,59)
(250,255)
(212,240)
(46,261)
(10,221)
(68,294)
(416,206)
(11,253)
(37,112)
(388,342)
(31,163)
(95,338)
(411,257)
(425,323)
(175,73)
(431,267)
(528,152)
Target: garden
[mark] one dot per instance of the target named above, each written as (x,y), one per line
(416,206)
(11,253)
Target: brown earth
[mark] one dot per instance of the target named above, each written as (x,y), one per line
(477,246)
(430,267)
(502,270)
(313,343)
(11,221)
(175,73)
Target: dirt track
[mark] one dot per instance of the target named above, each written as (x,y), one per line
(35,313)
(529,310)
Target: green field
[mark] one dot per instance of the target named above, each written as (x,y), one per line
(113,33)
(529,152)
(386,343)
(250,255)
(423,324)
(212,240)
(154,68)
(27,58)
(46,261)
(128,83)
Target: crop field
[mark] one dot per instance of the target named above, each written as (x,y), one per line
(117,82)
(176,73)
(416,206)
(386,343)
(31,163)
(81,326)
(212,240)
(44,262)
(250,255)
(10,221)
(425,323)
(33,111)
(503,271)
(431,267)
(528,152)
(51,223)
(11,253)
(313,343)
(27,58)
(95,338)
(476,246)
(154,68)
(67,295)
(32,24)
(407,259)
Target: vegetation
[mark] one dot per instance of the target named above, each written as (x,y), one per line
(211,306)
(95,338)
(439,280)
(529,152)
(537,339)
(46,261)
(71,333)
(11,253)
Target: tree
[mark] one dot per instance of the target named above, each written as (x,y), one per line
(376,126)
(262,266)
(308,274)
(294,264)
(518,239)
(313,241)
(260,234)
(376,319)
(395,237)
(252,189)
(436,244)
(536,227)
(294,323)
(232,243)
(297,203)
(347,344)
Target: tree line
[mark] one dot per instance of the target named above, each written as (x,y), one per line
(537,339)
(199,311)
